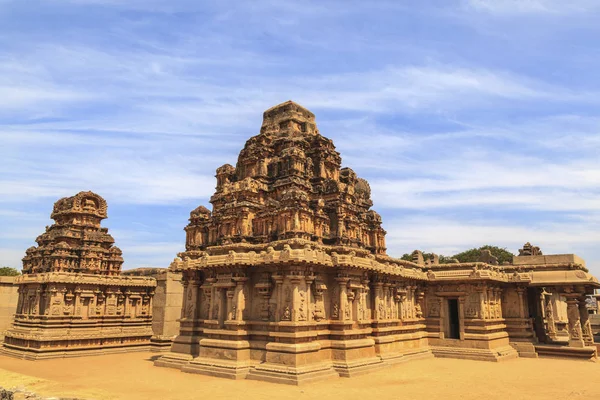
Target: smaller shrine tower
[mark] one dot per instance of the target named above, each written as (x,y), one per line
(72,298)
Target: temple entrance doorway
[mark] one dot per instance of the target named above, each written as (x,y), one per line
(453,319)
(535,314)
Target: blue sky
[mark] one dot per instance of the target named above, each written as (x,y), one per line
(476,122)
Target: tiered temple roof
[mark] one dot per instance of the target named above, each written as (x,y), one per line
(75,242)
(288,184)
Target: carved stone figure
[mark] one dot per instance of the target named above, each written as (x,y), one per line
(335,313)
(215,314)
(287,315)
(418,311)
(529,250)
(487,257)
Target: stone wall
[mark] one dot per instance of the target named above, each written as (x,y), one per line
(167,304)
(8,303)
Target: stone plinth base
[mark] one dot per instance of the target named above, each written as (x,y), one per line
(583,353)
(354,357)
(497,354)
(492,346)
(160,344)
(221,358)
(218,368)
(525,349)
(292,376)
(398,348)
(41,338)
(350,369)
(173,360)
(409,355)
(292,364)
(37,354)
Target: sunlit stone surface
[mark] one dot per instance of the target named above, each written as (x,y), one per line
(287,278)
(72,298)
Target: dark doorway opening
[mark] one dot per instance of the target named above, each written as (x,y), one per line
(535,313)
(453,320)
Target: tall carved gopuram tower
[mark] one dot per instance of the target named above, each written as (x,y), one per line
(72,299)
(287,279)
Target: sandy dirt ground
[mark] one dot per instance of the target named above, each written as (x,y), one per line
(133,376)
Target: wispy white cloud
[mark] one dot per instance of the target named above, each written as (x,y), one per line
(513,7)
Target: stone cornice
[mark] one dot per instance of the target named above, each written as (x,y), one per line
(307,255)
(85,279)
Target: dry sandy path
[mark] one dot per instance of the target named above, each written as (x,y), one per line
(133,376)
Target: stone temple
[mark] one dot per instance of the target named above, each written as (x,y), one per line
(72,297)
(287,278)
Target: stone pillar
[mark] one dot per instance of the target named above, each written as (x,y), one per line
(443,317)
(192,297)
(419,306)
(319,306)
(278,295)
(483,314)
(231,308)
(339,303)
(45,302)
(21,293)
(365,297)
(521,294)
(498,302)
(575,331)
(379,304)
(239,298)
(399,298)
(204,312)
(309,279)
(362,304)
(388,300)
(216,304)
(461,317)
(406,303)
(150,297)
(347,297)
(185,282)
(209,292)
(550,322)
(302,298)
(265,306)
(588,337)
(411,301)
(77,311)
(490,303)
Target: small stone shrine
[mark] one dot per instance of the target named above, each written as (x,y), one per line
(72,297)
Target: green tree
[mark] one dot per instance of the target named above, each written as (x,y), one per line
(472,255)
(8,271)
(406,257)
